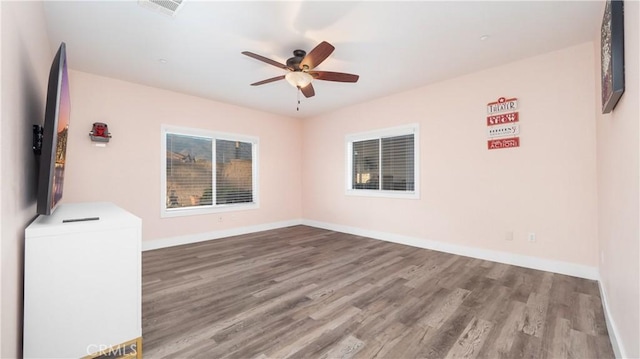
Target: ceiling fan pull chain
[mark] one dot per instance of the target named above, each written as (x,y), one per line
(298,107)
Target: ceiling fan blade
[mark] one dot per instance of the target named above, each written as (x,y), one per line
(264,59)
(317,55)
(334,76)
(308,91)
(273,79)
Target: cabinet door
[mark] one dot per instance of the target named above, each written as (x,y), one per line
(82,292)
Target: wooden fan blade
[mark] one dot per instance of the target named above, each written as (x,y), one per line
(264,59)
(334,76)
(308,91)
(268,80)
(317,55)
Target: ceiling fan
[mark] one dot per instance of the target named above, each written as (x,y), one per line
(301,69)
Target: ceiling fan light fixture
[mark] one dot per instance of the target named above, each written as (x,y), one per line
(298,78)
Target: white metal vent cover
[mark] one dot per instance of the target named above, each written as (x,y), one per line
(167,7)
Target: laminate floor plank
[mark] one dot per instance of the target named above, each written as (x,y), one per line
(304,292)
(471,340)
(346,349)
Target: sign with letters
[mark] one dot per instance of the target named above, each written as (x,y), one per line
(503,143)
(503,124)
(502,105)
(503,131)
(502,119)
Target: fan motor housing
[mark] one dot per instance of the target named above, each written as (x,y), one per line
(294,62)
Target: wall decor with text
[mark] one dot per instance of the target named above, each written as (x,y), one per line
(502,124)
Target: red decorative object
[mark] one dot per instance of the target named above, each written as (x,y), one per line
(100,132)
(503,143)
(502,119)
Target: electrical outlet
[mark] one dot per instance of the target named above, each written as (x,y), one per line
(531,237)
(508,236)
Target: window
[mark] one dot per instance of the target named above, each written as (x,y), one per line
(383,163)
(207,172)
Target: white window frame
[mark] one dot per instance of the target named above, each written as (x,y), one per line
(378,134)
(213,208)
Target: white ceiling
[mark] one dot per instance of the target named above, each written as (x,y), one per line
(393,46)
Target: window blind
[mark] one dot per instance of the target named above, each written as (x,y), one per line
(234,172)
(189,171)
(398,163)
(366,164)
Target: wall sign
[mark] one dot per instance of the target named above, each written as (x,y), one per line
(502,105)
(502,131)
(502,122)
(503,143)
(503,118)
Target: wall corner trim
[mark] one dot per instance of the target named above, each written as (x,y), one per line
(612,329)
(567,268)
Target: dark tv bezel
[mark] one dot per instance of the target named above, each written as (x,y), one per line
(45,204)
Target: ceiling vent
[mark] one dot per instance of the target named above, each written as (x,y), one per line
(167,7)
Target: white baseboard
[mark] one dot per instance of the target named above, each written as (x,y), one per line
(201,237)
(614,337)
(572,269)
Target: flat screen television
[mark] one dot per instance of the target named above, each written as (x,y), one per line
(54,136)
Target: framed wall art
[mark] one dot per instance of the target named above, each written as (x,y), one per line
(612,54)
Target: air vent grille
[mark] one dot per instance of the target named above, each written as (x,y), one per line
(167,7)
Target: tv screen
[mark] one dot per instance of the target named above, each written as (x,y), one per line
(54,135)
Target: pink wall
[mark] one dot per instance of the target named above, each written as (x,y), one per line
(26,58)
(471,196)
(618,144)
(127,171)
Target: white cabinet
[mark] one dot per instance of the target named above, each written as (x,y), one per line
(82,281)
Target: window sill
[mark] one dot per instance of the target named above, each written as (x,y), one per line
(382,194)
(193,211)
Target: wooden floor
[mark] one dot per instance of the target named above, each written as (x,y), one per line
(304,292)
